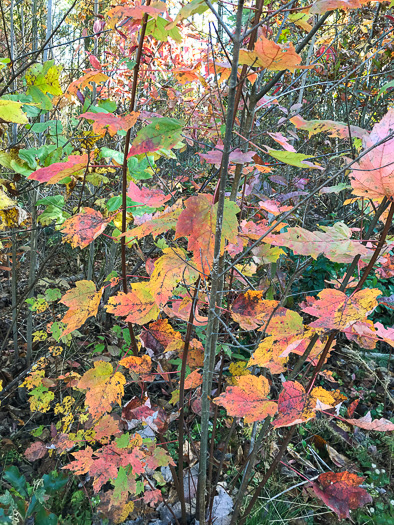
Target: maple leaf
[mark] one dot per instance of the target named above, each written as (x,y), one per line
(103,122)
(83,302)
(337,129)
(37,450)
(334,242)
(86,81)
(81,229)
(134,458)
(271,56)
(268,355)
(299,346)
(198,222)
(107,426)
(248,399)
(322,6)
(292,405)
(158,458)
(159,336)
(136,12)
(169,270)
(250,309)
(380,425)
(373,175)
(104,468)
(103,387)
(341,492)
(161,222)
(152,497)
(153,198)
(180,309)
(136,364)
(83,461)
(60,170)
(336,311)
(193,380)
(138,305)
(160,133)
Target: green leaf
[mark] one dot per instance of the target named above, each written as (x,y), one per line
(16,479)
(140,170)
(42,154)
(114,203)
(42,100)
(160,133)
(108,105)
(190,9)
(293,159)
(52,294)
(156,28)
(4,62)
(54,481)
(55,127)
(43,517)
(123,441)
(112,154)
(384,88)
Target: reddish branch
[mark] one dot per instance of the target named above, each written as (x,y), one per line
(124,172)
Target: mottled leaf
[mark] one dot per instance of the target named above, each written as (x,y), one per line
(153,198)
(160,133)
(341,492)
(103,122)
(37,450)
(86,80)
(248,399)
(292,405)
(60,170)
(299,160)
(103,388)
(198,223)
(11,111)
(193,380)
(271,56)
(138,305)
(81,229)
(83,302)
(334,242)
(161,222)
(366,422)
(136,364)
(335,129)
(169,270)
(373,175)
(335,310)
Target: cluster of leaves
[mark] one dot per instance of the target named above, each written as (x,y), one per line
(120,448)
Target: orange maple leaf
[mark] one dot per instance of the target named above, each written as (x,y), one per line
(248,399)
(103,388)
(138,305)
(83,302)
(81,229)
(271,56)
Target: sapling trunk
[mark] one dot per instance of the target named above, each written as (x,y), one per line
(217,279)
